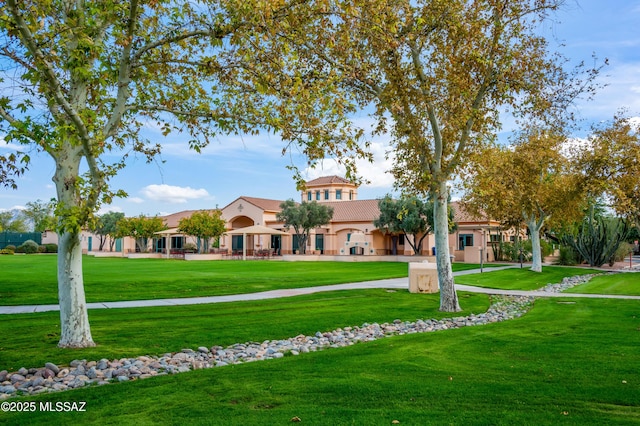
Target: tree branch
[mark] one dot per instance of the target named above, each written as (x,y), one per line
(124,75)
(47,70)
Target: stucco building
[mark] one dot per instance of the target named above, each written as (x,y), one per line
(350,232)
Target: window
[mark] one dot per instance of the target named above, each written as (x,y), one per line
(464,240)
(309,196)
(350,195)
(495,238)
(318,195)
(326,194)
(177,242)
(401,240)
(338,194)
(236,242)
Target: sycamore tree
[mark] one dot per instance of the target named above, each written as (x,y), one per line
(303,218)
(82,79)
(612,166)
(436,74)
(205,225)
(531,181)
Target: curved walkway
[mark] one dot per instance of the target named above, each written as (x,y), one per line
(393,283)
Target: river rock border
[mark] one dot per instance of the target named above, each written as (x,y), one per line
(79,373)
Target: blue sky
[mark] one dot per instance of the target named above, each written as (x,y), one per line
(254,166)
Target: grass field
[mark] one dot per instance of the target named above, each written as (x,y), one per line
(30,280)
(522,279)
(30,339)
(563,363)
(622,283)
(568,361)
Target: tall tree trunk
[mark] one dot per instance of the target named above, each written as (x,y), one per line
(74,320)
(535,226)
(448,295)
(75,331)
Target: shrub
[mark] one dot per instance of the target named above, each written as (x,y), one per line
(190,247)
(42,249)
(6,251)
(11,247)
(511,252)
(622,252)
(29,247)
(51,248)
(567,256)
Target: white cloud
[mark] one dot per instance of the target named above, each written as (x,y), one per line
(173,194)
(13,208)
(10,146)
(136,200)
(108,209)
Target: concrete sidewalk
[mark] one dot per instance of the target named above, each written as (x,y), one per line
(394,283)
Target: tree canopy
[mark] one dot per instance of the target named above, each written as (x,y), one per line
(106,226)
(141,228)
(40,214)
(303,218)
(12,223)
(530,181)
(612,165)
(410,216)
(205,225)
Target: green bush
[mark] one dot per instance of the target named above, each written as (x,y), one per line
(511,252)
(29,247)
(622,252)
(567,256)
(42,249)
(11,247)
(6,251)
(51,248)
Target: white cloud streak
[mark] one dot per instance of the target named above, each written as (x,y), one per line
(173,194)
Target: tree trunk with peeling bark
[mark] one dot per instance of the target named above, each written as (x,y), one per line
(535,226)
(74,320)
(448,295)
(75,331)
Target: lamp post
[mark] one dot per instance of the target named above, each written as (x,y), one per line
(521,253)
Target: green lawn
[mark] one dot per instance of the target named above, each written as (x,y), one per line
(29,280)
(32,279)
(623,283)
(522,279)
(29,340)
(567,362)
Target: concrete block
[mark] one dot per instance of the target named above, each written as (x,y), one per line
(423,277)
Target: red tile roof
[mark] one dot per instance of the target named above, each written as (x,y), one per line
(264,203)
(327,180)
(461,215)
(354,211)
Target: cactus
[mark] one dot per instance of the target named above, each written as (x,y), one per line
(597,239)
